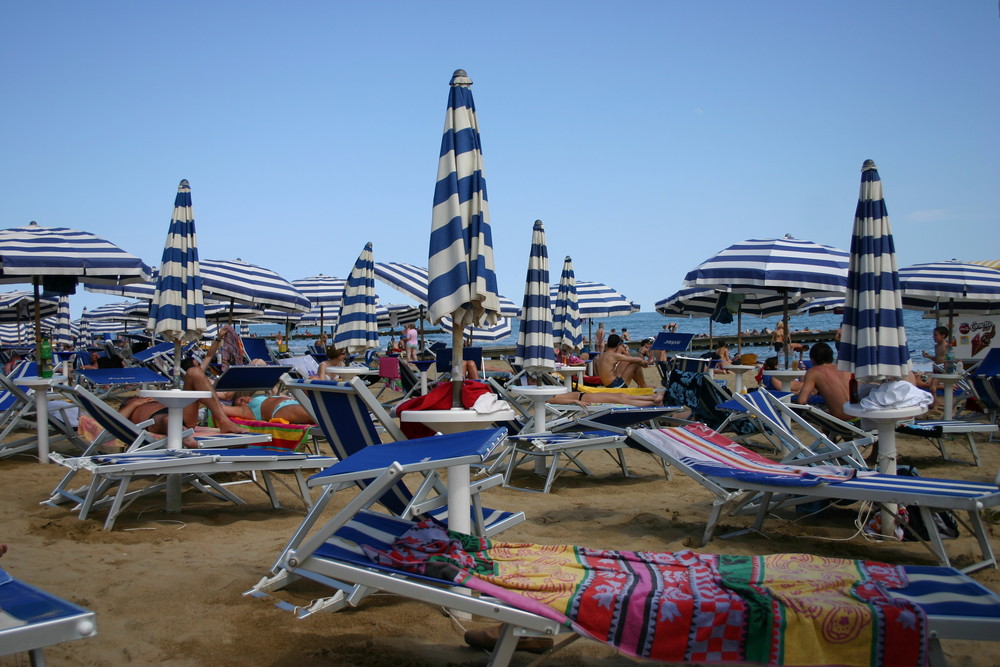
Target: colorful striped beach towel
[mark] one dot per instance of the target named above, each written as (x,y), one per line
(787,609)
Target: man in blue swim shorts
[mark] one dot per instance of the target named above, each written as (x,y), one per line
(617,367)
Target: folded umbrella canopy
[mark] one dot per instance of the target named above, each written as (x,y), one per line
(567,332)
(534,337)
(462,281)
(357,323)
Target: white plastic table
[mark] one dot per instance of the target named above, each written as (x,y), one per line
(41,386)
(785,376)
(175,401)
(885,422)
(538,395)
(348,372)
(423,365)
(568,372)
(739,370)
(948,382)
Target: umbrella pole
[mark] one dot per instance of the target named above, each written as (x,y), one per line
(788,334)
(711,340)
(38,322)
(177,364)
(739,330)
(951,321)
(457,367)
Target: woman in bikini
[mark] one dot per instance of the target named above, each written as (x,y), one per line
(586,398)
(267,408)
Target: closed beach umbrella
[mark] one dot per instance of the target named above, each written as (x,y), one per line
(237,281)
(63,337)
(567,332)
(357,326)
(177,310)
(462,282)
(323,292)
(534,337)
(56,258)
(872,337)
(787,266)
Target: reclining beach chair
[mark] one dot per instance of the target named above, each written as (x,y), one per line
(31,619)
(133,437)
(344,411)
(442,359)
(256,348)
(633,605)
(730,470)
(18,407)
(251,378)
(939,431)
(111,382)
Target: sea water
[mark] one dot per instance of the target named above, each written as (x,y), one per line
(647,325)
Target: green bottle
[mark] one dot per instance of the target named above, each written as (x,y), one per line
(45,362)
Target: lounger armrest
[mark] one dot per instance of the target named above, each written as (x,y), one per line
(481,485)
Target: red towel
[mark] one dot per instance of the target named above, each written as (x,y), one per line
(438,398)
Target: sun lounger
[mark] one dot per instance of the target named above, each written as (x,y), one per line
(729,471)
(633,604)
(31,619)
(938,431)
(117,381)
(345,411)
(19,409)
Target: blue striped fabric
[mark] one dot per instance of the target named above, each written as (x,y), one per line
(63,333)
(357,325)
(19,306)
(325,294)
(412,281)
(872,338)
(598,300)
(252,285)
(567,330)
(956,287)
(701,302)
(36,251)
(489,333)
(177,311)
(462,277)
(534,339)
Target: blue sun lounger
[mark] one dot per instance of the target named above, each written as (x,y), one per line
(31,619)
(331,554)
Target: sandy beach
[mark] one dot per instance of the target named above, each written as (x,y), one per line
(167,588)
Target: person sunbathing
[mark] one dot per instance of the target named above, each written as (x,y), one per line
(139,409)
(268,408)
(585,398)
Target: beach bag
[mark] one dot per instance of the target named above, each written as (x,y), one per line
(947,524)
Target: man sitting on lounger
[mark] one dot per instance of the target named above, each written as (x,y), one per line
(618,368)
(824,379)
(138,409)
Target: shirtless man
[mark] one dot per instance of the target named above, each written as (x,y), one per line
(618,368)
(824,379)
(138,409)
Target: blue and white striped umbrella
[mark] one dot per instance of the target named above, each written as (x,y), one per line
(63,333)
(701,302)
(534,338)
(324,293)
(872,337)
(177,310)
(598,300)
(237,281)
(357,324)
(482,334)
(462,281)
(952,287)
(19,334)
(19,306)
(411,280)
(567,330)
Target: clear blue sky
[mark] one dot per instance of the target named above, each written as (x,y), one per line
(647,136)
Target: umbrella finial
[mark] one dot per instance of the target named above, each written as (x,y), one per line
(869,164)
(32,224)
(537,225)
(460,78)
(183,184)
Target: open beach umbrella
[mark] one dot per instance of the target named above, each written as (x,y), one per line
(357,326)
(236,281)
(567,332)
(596,299)
(534,338)
(177,310)
(787,266)
(481,334)
(955,287)
(56,258)
(323,292)
(411,280)
(19,306)
(462,281)
(872,338)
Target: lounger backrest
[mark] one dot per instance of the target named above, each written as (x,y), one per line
(12,393)
(443,358)
(109,419)
(990,365)
(987,388)
(256,348)
(344,418)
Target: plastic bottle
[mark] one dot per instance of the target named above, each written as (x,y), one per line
(949,361)
(45,359)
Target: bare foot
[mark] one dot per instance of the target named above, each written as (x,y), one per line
(189,442)
(3,549)
(228,426)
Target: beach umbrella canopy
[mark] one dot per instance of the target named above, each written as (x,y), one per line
(700,302)
(323,292)
(534,338)
(872,339)
(56,258)
(954,287)
(177,309)
(462,281)
(16,334)
(787,266)
(237,281)
(63,334)
(483,333)
(357,325)
(567,331)
(411,280)
(19,306)
(597,299)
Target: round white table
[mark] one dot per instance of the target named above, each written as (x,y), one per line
(948,382)
(739,370)
(348,372)
(175,400)
(568,372)
(786,377)
(538,394)
(41,386)
(885,422)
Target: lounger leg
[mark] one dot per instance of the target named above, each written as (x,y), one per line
(976,521)
(37,657)
(713,518)
(269,485)
(936,656)
(936,544)
(553,470)
(116,506)
(505,646)
(972,449)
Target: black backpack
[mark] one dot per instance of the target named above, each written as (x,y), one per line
(947,524)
